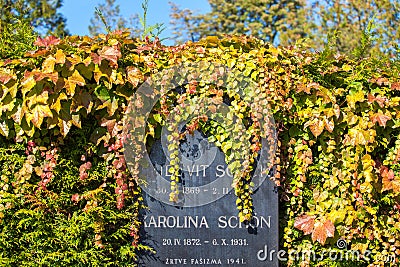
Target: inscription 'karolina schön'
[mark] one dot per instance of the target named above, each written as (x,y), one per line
(202,222)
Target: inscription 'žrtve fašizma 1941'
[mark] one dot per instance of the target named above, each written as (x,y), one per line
(202,222)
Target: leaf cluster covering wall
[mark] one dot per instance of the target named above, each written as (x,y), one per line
(67,199)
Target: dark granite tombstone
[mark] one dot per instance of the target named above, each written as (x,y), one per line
(208,234)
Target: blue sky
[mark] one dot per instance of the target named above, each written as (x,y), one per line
(79,12)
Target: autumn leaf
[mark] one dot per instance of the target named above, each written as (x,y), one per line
(380,100)
(305,223)
(322,231)
(38,76)
(57,104)
(5,77)
(47,41)
(27,83)
(380,118)
(60,57)
(4,128)
(48,64)
(110,53)
(75,79)
(389,180)
(395,86)
(134,75)
(65,126)
(329,125)
(37,114)
(316,126)
(353,98)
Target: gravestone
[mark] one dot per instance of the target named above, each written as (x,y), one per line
(210,233)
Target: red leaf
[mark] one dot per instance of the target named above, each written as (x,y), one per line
(47,41)
(5,78)
(305,223)
(96,58)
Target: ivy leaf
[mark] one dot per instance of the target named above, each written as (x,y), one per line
(134,75)
(329,125)
(65,126)
(57,104)
(4,128)
(59,57)
(73,80)
(48,65)
(27,83)
(395,86)
(353,98)
(305,223)
(110,53)
(5,77)
(316,126)
(389,180)
(47,41)
(322,231)
(380,118)
(37,114)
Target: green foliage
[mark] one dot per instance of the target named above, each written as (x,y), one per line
(66,197)
(16,39)
(266,20)
(285,22)
(42,15)
(352,20)
(151,31)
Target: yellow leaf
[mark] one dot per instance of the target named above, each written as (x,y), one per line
(48,65)
(352,99)
(56,106)
(346,67)
(76,120)
(4,128)
(337,216)
(38,99)
(37,114)
(65,126)
(75,79)
(60,57)
(27,84)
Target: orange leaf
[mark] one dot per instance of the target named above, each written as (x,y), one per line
(395,86)
(380,118)
(305,223)
(323,231)
(317,127)
(389,180)
(329,125)
(110,53)
(134,75)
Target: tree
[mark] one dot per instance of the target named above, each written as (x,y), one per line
(108,17)
(350,20)
(270,20)
(41,14)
